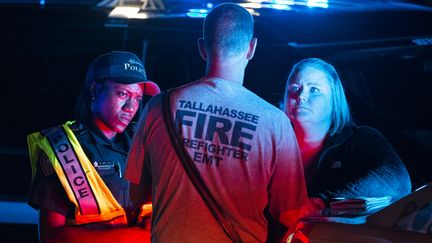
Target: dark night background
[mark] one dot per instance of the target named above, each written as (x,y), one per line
(383,54)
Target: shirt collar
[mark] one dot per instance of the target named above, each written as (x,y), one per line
(339,138)
(121,142)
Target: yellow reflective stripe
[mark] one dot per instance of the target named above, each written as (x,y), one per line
(38,142)
(33,151)
(75,174)
(108,205)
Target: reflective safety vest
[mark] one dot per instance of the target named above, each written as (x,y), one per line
(84,187)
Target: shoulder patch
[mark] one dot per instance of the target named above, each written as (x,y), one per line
(46,166)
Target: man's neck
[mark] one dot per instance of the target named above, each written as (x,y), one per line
(229,69)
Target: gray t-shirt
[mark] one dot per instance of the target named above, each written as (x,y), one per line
(244,148)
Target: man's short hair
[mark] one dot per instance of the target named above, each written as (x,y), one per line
(228,30)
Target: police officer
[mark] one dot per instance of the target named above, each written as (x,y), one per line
(78,185)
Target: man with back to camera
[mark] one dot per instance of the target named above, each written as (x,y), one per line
(243,147)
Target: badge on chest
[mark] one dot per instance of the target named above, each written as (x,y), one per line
(108,167)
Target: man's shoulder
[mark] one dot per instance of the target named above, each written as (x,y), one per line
(266,108)
(242,97)
(152,103)
(188,86)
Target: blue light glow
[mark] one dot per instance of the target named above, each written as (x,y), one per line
(318,3)
(209,5)
(202,11)
(42,2)
(283,2)
(196,15)
(17,213)
(280,6)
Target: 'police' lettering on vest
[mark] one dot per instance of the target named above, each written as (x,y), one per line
(74,172)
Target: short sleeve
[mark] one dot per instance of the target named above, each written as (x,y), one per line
(46,190)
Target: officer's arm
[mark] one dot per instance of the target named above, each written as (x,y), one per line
(52,228)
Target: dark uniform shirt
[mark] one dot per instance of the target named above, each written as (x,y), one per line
(109,158)
(358,161)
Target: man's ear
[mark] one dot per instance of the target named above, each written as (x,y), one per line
(202,49)
(252,47)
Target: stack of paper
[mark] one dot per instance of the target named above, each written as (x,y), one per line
(356,206)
